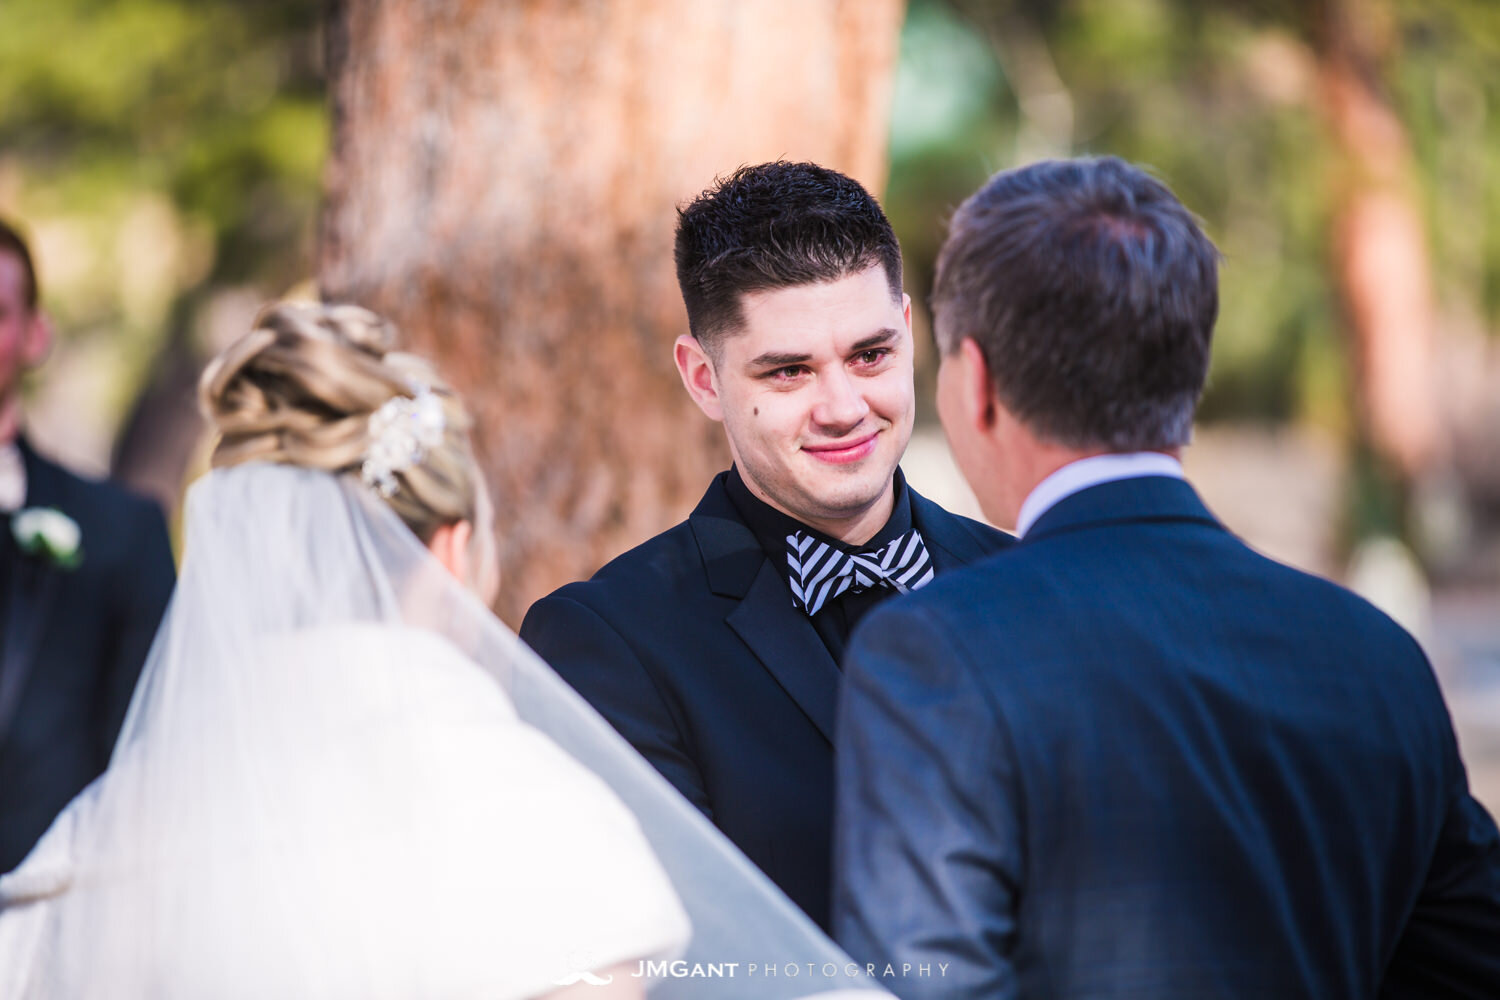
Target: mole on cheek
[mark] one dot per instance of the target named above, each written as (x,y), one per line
(757,411)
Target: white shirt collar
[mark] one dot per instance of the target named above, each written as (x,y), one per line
(12,477)
(1091,471)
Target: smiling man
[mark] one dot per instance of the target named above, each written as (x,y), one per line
(715,646)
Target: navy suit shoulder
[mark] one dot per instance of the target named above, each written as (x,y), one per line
(607,634)
(112,507)
(124,538)
(1013,579)
(640,578)
(1133,735)
(1081,570)
(611,637)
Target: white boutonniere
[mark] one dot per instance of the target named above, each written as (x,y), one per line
(49,533)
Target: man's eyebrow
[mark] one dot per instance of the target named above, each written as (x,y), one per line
(780,359)
(879,339)
(774,359)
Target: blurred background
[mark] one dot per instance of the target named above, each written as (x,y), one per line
(500,179)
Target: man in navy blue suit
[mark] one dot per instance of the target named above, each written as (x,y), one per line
(1130,756)
(715,646)
(75,621)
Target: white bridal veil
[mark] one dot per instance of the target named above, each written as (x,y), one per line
(318,793)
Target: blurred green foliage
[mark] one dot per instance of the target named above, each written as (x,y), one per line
(158,150)
(161,150)
(1220,99)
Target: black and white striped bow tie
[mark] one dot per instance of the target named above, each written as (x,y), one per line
(821,572)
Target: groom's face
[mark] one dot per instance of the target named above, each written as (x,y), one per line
(815,392)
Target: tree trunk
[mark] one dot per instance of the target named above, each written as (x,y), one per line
(1381,260)
(503,184)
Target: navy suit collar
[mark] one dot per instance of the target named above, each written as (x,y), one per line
(1141,498)
(771,526)
(732,555)
(44,481)
(951,542)
(780,636)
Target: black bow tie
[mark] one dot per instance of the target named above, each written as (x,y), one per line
(821,571)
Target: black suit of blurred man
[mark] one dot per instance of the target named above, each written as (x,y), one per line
(74,632)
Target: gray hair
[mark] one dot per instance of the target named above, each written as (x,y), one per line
(1092,293)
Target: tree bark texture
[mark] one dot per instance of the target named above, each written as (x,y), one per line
(1381,260)
(503,184)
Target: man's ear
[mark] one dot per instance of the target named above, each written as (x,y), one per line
(976,388)
(697,371)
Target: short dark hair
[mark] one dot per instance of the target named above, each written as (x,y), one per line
(775,225)
(1092,292)
(11,242)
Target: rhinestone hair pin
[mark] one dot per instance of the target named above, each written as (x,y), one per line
(402,431)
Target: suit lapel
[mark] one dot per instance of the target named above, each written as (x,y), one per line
(788,646)
(34,584)
(781,637)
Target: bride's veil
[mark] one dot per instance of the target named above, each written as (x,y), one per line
(246,790)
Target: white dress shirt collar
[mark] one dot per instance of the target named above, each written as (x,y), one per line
(12,477)
(1092,471)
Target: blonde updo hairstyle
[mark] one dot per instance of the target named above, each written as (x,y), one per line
(300,387)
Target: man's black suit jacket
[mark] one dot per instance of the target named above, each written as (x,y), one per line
(689,645)
(72,642)
(1132,757)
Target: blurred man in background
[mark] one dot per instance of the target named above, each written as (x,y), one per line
(1130,756)
(85,574)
